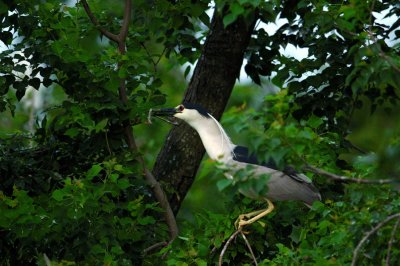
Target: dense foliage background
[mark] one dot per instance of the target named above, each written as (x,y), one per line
(72,189)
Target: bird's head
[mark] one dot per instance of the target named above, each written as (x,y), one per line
(188,112)
(217,143)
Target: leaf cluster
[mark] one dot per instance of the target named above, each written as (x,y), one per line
(351,61)
(70,189)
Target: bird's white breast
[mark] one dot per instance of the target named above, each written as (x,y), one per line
(215,140)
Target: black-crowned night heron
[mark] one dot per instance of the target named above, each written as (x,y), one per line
(282,185)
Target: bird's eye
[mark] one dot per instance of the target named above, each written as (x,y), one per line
(181,108)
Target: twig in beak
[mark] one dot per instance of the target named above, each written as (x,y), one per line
(168,121)
(149,116)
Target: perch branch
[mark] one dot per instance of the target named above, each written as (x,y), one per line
(336,177)
(238,231)
(221,256)
(369,234)
(250,249)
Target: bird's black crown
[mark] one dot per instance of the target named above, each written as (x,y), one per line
(197,107)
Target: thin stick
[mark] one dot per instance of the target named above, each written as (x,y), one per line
(390,243)
(250,249)
(227,244)
(333,176)
(108,144)
(368,235)
(149,115)
(155,246)
(95,22)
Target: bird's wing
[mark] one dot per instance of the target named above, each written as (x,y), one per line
(242,154)
(286,184)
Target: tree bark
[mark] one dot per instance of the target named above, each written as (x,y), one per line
(211,85)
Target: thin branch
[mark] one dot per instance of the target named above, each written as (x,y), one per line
(368,235)
(125,24)
(157,190)
(161,55)
(156,187)
(149,55)
(370,19)
(249,247)
(95,22)
(162,199)
(389,60)
(238,231)
(227,244)
(341,178)
(155,246)
(107,143)
(155,63)
(390,243)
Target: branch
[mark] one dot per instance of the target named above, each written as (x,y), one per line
(162,199)
(250,249)
(389,60)
(390,243)
(125,23)
(238,231)
(155,246)
(368,234)
(155,63)
(227,244)
(95,22)
(341,178)
(157,190)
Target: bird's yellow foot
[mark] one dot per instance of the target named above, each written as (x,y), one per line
(249,218)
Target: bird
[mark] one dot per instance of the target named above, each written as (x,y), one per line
(286,184)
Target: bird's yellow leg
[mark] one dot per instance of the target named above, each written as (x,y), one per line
(253,216)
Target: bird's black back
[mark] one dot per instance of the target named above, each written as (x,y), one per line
(243,155)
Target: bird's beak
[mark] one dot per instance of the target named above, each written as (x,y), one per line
(165,114)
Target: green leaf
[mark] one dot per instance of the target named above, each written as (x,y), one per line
(122,73)
(72,132)
(93,171)
(315,121)
(146,220)
(35,83)
(224,183)
(20,68)
(117,250)
(101,125)
(123,183)
(6,37)
(229,19)
(58,195)
(236,9)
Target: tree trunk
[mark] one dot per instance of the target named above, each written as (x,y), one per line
(211,85)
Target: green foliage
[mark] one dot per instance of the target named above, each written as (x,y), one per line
(89,218)
(349,58)
(70,191)
(294,235)
(69,188)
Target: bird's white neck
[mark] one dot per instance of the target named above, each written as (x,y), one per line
(215,140)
